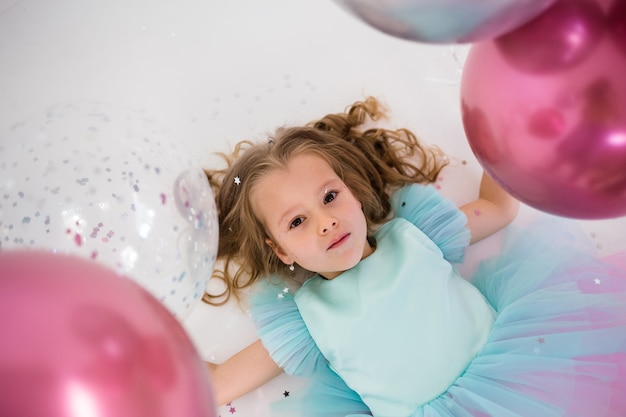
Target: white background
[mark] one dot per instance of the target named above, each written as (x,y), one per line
(215,72)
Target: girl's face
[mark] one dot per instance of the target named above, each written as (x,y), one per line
(311,216)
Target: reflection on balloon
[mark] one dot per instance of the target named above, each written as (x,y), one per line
(79,340)
(445,21)
(548,123)
(485,145)
(561,37)
(109,184)
(617,24)
(550,126)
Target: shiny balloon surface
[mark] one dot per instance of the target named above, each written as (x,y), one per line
(445,21)
(81,341)
(544,109)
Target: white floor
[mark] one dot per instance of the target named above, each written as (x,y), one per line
(215,72)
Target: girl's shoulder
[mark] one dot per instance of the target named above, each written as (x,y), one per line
(415,195)
(281,328)
(438,217)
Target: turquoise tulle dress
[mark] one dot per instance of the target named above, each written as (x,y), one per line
(540,331)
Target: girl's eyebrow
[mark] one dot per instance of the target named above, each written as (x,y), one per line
(287,214)
(328,185)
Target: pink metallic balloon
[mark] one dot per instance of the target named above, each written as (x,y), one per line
(445,21)
(617,24)
(545,112)
(560,38)
(80,341)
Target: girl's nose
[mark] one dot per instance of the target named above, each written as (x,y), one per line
(327,225)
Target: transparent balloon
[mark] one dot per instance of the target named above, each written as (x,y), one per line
(79,340)
(445,21)
(544,109)
(109,184)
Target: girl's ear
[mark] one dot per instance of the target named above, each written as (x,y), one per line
(279,252)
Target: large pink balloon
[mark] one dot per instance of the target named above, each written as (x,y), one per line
(562,37)
(617,23)
(445,21)
(544,109)
(80,341)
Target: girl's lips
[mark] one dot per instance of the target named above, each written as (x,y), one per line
(338,241)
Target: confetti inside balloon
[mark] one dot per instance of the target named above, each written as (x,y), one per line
(544,109)
(79,340)
(109,184)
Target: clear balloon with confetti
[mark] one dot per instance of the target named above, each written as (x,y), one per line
(108,183)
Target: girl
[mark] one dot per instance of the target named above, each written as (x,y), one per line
(351,252)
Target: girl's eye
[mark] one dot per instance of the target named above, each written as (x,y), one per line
(330,197)
(297,222)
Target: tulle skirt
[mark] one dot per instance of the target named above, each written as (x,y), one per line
(556,348)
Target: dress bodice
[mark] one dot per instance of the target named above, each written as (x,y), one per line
(403,301)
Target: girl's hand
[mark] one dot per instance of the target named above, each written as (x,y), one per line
(493,210)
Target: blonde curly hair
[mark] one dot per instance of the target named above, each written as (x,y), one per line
(371,162)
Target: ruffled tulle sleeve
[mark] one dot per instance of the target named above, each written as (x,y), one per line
(286,337)
(434,215)
(282,330)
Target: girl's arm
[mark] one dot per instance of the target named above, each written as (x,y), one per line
(245,371)
(493,210)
